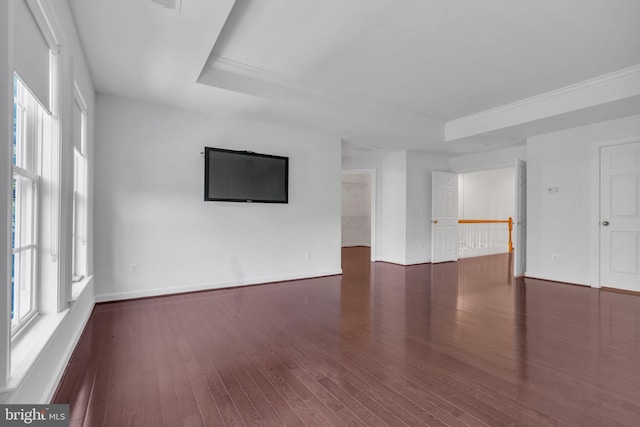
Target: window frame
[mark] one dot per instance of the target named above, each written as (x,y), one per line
(26,167)
(80,192)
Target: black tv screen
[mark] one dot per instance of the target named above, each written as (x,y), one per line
(244,176)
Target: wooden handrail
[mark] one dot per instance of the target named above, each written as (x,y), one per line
(481,221)
(492,221)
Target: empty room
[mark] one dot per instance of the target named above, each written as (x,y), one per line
(299,212)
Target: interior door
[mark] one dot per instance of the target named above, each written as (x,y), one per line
(620,216)
(444,217)
(520,255)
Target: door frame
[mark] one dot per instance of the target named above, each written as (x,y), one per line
(372,199)
(595,205)
(520,230)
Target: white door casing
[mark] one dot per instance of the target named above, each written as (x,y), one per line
(620,216)
(520,256)
(444,217)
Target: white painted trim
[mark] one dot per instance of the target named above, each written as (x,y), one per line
(609,87)
(595,204)
(65,176)
(392,261)
(596,81)
(6,126)
(417,261)
(43,15)
(479,162)
(372,199)
(317,90)
(50,388)
(39,381)
(518,237)
(117,296)
(246,70)
(77,93)
(562,279)
(29,343)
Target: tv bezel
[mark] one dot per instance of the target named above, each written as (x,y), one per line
(207,150)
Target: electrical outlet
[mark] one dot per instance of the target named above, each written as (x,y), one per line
(554,258)
(133,269)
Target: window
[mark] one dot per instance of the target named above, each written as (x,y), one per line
(79,231)
(28,130)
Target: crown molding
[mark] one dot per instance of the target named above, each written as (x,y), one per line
(324,93)
(238,68)
(609,87)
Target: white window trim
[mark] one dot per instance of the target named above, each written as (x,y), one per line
(29,134)
(24,346)
(20,351)
(78,282)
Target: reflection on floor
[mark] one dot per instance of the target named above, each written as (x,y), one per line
(447,344)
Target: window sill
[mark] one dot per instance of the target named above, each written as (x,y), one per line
(78,287)
(27,347)
(29,343)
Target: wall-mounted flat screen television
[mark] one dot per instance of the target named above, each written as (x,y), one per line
(244,176)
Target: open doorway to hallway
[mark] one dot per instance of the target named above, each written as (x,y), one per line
(486,203)
(358,210)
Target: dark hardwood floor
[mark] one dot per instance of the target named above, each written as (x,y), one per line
(449,344)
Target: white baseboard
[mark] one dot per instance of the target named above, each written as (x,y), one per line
(417,261)
(144,293)
(391,260)
(553,278)
(404,262)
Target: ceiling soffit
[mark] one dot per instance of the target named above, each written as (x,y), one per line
(246,70)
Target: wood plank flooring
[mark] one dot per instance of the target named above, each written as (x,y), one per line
(454,344)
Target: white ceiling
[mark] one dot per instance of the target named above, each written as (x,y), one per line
(382,73)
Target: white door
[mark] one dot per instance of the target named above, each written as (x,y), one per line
(620,216)
(444,217)
(520,221)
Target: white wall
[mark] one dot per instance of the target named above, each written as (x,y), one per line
(566,223)
(418,232)
(150,210)
(487,194)
(392,242)
(403,209)
(495,159)
(356,210)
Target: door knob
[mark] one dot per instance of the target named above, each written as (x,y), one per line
(435,221)
(605,223)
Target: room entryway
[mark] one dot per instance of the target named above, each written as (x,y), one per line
(358,209)
(490,217)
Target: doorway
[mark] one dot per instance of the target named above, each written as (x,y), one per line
(359,209)
(486,201)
